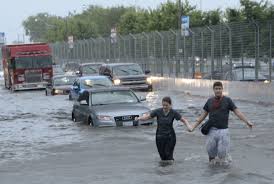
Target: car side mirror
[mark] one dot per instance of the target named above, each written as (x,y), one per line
(76,88)
(107,74)
(147,72)
(78,73)
(142,98)
(83,102)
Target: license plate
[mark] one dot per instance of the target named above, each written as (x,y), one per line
(128,123)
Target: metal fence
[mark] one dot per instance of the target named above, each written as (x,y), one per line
(204,50)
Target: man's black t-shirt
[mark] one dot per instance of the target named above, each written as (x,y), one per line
(219,116)
(165,122)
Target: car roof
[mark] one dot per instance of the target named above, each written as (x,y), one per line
(58,76)
(84,64)
(120,64)
(244,66)
(93,77)
(107,89)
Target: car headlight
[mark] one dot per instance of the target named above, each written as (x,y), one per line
(117,82)
(104,118)
(58,91)
(266,81)
(149,80)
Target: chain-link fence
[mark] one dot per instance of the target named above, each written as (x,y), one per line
(207,52)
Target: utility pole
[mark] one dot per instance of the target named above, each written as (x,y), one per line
(179,14)
(179,48)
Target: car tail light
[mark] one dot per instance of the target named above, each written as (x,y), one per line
(21,78)
(46,76)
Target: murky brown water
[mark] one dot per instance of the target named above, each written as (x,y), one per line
(40,144)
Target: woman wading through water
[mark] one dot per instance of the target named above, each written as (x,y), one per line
(165,134)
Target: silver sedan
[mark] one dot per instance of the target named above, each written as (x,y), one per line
(110,107)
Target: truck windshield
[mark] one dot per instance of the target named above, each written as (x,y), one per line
(33,62)
(123,70)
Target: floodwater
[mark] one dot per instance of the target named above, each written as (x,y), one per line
(40,144)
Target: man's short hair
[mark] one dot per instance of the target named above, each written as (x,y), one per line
(218,83)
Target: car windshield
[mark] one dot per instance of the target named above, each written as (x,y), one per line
(91,69)
(33,62)
(249,74)
(95,82)
(65,80)
(113,97)
(127,70)
(71,67)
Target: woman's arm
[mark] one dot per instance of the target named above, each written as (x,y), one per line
(143,118)
(189,127)
(200,119)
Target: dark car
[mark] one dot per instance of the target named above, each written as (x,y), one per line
(244,73)
(71,67)
(57,70)
(127,74)
(83,83)
(60,85)
(87,69)
(110,107)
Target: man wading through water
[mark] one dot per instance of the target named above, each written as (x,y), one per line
(165,134)
(218,137)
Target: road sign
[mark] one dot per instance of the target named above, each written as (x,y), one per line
(113,35)
(70,42)
(2,37)
(185,25)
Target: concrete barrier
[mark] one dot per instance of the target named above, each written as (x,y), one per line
(257,92)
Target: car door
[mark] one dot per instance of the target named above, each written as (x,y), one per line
(49,88)
(83,109)
(75,89)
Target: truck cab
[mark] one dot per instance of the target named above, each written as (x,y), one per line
(27,66)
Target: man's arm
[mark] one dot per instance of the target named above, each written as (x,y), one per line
(200,119)
(242,117)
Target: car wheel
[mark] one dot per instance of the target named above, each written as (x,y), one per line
(90,122)
(70,97)
(73,118)
(149,89)
(135,123)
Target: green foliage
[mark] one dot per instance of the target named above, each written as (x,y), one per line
(98,21)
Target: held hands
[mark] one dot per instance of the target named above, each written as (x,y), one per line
(249,124)
(190,128)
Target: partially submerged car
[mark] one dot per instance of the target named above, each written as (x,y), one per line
(83,83)
(127,75)
(57,70)
(110,107)
(71,67)
(60,85)
(88,69)
(245,73)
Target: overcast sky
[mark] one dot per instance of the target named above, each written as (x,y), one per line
(13,12)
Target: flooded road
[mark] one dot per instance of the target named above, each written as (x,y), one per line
(40,144)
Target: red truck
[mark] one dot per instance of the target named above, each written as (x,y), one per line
(27,66)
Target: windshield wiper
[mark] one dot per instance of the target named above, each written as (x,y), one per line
(100,104)
(137,71)
(100,85)
(124,71)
